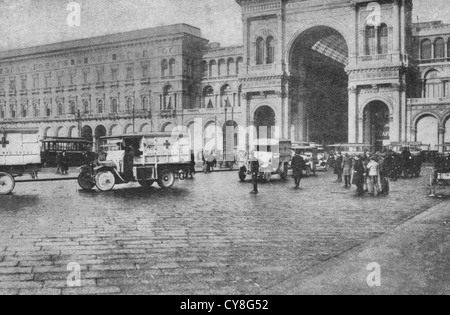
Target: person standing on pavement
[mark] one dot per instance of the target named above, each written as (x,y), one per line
(64,164)
(358,175)
(373,171)
(338,167)
(298,165)
(58,163)
(347,170)
(254,167)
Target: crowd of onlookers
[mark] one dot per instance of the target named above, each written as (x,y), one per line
(371,172)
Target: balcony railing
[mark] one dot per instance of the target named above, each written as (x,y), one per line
(86,86)
(129,82)
(59,89)
(2,93)
(47,90)
(23,92)
(436,60)
(100,85)
(114,84)
(72,88)
(145,81)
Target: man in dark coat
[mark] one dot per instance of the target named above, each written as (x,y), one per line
(298,165)
(64,164)
(338,167)
(58,163)
(128,163)
(359,175)
(254,167)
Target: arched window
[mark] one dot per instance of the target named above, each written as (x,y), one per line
(172,67)
(439,48)
(370,48)
(433,85)
(86,107)
(129,104)
(270,50)
(426,50)
(36,110)
(60,109)
(145,103)
(164,67)
(114,106)
(24,110)
(73,108)
(208,96)
(221,70)
(212,68)
(100,106)
(169,98)
(48,109)
(239,63)
(260,47)
(226,96)
(231,68)
(383,39)
(204,68)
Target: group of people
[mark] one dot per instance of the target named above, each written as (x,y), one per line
(368,171)
(62,163)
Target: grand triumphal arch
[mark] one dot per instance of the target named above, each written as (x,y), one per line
(329,70)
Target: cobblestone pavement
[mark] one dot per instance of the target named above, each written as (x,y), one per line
(206,236)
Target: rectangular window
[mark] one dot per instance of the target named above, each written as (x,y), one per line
(86,60)
(72,62)
(47,82)
(114,57)
(2,112)
(85,77)
(36,83)
(60,80)
(114,74)
(100,76)
(72,78)
(130,73)
(24,83)
(145,71)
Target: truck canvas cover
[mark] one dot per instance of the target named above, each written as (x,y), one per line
(19,147)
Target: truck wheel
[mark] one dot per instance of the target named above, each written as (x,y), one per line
(105,181)
(146,183)
(166,180)
(85,180)
(7,183)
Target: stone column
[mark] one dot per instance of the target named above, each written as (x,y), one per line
(353,128)
(441,139)
(396,30)
(397,115)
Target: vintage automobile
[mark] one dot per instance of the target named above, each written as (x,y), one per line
(20,153)
(440,176)
(273,155)
(156,157)
(351,148)
(315,157)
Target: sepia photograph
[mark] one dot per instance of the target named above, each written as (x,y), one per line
(203,149)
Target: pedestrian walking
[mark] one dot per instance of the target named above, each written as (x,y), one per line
(192,165)
(358,175)
(347,170)
(338,167)
(298,165)
(373,171)
(64,164)
(255,174)
(58,163)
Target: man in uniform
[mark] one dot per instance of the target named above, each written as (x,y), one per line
(298,165)
(254,167)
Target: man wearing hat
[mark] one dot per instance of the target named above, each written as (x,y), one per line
(358,174)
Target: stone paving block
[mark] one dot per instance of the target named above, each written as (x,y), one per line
(16,277)
(21,285)
(44,291)
(14,270)
(91,291)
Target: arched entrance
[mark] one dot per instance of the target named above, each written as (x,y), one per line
(428,131)
(264,122)
(319,89)
(377,125)
(100,132)
(86,133)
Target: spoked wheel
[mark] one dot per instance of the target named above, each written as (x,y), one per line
(85,180)
(105,181)
(7,183)
(146,183)
(167,179)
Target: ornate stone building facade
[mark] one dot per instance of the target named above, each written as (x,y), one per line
(324,71)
